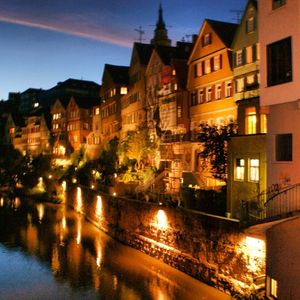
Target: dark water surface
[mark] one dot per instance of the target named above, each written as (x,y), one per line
(51,252)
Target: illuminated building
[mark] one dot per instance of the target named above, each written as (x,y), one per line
(210,85)
(114,86)
(247,151)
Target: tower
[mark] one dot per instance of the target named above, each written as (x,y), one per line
(160,33)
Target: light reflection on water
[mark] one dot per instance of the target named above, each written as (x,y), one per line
(50,252)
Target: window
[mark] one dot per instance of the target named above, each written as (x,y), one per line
(208,94)
(240,169)
(97,111)
(239,58)
(206,39)
(254,169)
(250,25)
(228,89)
(272,287)
(198,69)
(240,85)
(193,98)
(284,147)
(250,120)
(263,123)
(175,87)
(179,112)
(11,130)
(207,66)
(123,90)
(218,91)
(201,96)
(279,62)
(277,3)
(217,62)
(173,72)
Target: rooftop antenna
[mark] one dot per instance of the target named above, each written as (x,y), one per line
(238,14)
(141,33)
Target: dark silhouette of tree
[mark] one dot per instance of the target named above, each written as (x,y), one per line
(214,141)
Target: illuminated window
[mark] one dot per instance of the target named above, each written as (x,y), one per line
(217,62)
(97,111)
(254,170)
(272,287)
(250,79)
(123,90)
(36,104)
(251,120)
(179,111)
(228,89)
(240,169)
(218,91)
(240,85)
(201,96)
(173,72)
(208,94)
(263,123)
(11,130)
(207,66)
(175,86)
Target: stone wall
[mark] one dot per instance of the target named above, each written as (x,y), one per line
(209,248)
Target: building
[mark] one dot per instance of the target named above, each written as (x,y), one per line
(210,85)
(279,36)
(133,106)
(246,185)
(114,86)
(79,119)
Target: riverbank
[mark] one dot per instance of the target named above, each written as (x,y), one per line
(209,248)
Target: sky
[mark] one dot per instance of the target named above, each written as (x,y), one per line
(43,42)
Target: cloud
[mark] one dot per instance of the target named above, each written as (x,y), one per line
(79,26)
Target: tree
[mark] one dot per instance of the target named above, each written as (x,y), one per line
(214,141)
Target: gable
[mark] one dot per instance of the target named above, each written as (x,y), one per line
(207,42)
(154,63)
(247,33)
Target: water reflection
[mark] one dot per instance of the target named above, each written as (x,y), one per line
(74,260)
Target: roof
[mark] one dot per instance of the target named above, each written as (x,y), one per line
(18,119)
(119,74)
(144,52)
(224,30)
(78,83)
(86,102)
(167,53)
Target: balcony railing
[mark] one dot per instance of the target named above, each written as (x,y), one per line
(284,201)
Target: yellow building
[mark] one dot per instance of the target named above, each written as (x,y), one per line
(210,84)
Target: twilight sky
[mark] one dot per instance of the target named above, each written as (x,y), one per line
(46,41)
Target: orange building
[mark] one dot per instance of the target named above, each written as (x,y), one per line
(210,83)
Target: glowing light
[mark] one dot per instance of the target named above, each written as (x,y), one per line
(99,254)
(162,220)
(79,199)
(115,175)
(2,202)
(41,211)
(99,207)
(114,194)
(255,250)
(92,186)
(79,228)
(50,176)
(94,172)
(41,185)
(74,180)
(64,222)
(16,203)
(64,185)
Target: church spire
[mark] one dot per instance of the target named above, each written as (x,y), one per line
(160,33)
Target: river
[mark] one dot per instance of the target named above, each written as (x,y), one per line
(50,252)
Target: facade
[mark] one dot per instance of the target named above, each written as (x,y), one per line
(114,86)
(79,120)
(210,85)
(133,107)
(247,151)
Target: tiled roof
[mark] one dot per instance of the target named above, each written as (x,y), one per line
(144,52)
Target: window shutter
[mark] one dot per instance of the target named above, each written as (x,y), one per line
(195,70)
(244,56)
(213,96)
(212,67)
(233,59)
(221,61)
(254,49)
